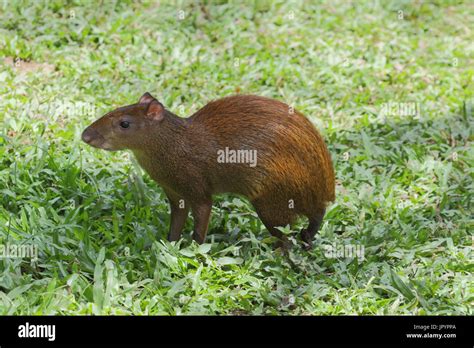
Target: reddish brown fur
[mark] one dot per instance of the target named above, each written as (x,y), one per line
(293,163)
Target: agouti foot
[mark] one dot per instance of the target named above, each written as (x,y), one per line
(307,242)
(307,246)
(283,246)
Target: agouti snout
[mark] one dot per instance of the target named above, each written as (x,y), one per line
(252,146)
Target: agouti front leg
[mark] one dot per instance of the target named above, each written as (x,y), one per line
(201,212)
(179,214)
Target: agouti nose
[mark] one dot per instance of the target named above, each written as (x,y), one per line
(89,134)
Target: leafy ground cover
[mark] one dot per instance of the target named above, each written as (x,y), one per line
(388,83)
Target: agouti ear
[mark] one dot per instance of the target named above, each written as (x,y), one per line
(155,110)
(146,98)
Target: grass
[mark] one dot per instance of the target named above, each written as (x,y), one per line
(405,179)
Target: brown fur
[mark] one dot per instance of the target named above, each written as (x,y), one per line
(293,163)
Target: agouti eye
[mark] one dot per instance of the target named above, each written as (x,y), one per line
(124,124)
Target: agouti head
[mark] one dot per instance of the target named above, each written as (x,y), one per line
(125,127)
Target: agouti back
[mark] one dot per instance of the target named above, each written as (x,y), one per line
(249,145)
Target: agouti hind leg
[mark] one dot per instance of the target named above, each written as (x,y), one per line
(201,212)
(307,234)
(268,219)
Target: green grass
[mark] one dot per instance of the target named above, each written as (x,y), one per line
(405,182)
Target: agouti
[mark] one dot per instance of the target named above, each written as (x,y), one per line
(253,146)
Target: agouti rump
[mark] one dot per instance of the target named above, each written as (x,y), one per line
(253,146)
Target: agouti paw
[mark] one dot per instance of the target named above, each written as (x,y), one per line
(306,238)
